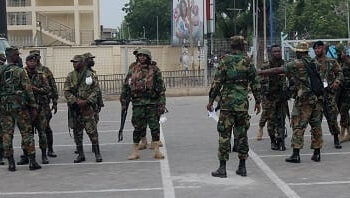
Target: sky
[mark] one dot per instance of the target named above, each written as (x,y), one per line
(111,12)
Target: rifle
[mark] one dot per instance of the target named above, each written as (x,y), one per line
(122,121)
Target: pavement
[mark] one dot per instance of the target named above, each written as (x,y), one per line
(190,145)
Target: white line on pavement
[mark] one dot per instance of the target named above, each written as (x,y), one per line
(307,154)
(90,191)
(273,176)
(96,164)
(168,185)
(85,144)
(319,183)
(102,131)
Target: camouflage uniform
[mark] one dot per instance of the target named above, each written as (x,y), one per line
(17,99)
(3,59)
(53,96)
(235,73)
(144,87)
(82,85)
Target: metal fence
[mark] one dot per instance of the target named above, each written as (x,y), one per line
(112,84)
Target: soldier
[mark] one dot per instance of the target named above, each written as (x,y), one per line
(232,78)
(344,95)
(144,87)
(80,91)
(2,63)
(17,106)
(274,101)
(53,96)
(308,103)
(331,76)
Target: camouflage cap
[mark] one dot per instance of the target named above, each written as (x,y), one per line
(340,47)
(2,56)
(136,50)
(78,58)
(88,55)
(145,52)
(31,57)
(35,52)
(235,40)
(10,50)
(302,47)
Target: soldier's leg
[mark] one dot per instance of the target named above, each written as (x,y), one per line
(8,125)
(241,126)
(153,122)
(224,127)
(78,138)
(23,120)
(139,122)
(1,147)
(262,121)
(316,132)
(91,130)
(41,125)
(49,134)
(344,121)
(333,125)
(143,143)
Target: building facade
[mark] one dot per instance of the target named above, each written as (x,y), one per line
(53,22)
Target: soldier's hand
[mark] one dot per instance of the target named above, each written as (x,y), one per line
(210,107)
(33,114)
(161,109)
(257,108)
(34,88)
(81,103)
(335,86)
(54,108)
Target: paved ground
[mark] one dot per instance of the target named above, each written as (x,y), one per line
(190,139)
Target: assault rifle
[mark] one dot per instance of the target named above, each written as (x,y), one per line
(122,121)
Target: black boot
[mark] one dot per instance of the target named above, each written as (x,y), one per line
(281,144)
(44,156)
(235,145)
(336,142)
(92,148)
(274,145)
(2,157)
(96,149)
(51,153)
(81,156)
(33,165)
(295,157)
(24,159)
(317,155)
(242,171)
(221,171)
(12,164)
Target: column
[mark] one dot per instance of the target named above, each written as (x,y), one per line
(77,22)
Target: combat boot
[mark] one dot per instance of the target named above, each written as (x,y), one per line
(157,153)
(44,159)
(160,143)
(259,134)
(2,157)
(274,145)
(281,144)
(295,157)
(135,153)
(33,165)
(242,171)
(12,164)
(81,156)
(336,142)
(221,171)
(235,145)
(143,144)
(317,155)
(97,153)
(342,134)
(24,159)
(51,153)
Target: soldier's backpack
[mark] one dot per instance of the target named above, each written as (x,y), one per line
(317,86)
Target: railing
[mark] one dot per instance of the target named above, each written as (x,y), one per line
(112,84)
(19,18)
(18,3)
(55,27)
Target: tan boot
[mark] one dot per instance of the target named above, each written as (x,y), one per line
(157,153)
(259,134)
(342,134)
(160,144)
(143,144)
(152,145)
(135,153)
(347,136)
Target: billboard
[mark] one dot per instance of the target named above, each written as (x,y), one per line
(187,22)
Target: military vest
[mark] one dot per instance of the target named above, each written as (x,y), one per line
(142,81)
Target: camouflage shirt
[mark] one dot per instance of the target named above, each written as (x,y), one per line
(15,88)
(39,80)
(330,70)
(232,79)
(52,83)
(143,85)
(273,86)
(100,103)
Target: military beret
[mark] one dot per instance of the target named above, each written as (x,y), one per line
(31,57)
(11,50)
(35,52)
(88,55)
(235,40)
(2,57)
(78,58)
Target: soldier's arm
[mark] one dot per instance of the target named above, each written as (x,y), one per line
(126,91)
(337,72)
(68,92)
(160,86)
(53,86)
(27,88)
(254,83)
(44,88)
(217,82)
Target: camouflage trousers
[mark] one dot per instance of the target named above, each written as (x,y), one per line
(331,107)
(23,120)
(344,109)
(88,123)
(143,115)
(270,115)
(265,115)
(1,146)
(239,122)
(48,130)
(40,124)
(302,115)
